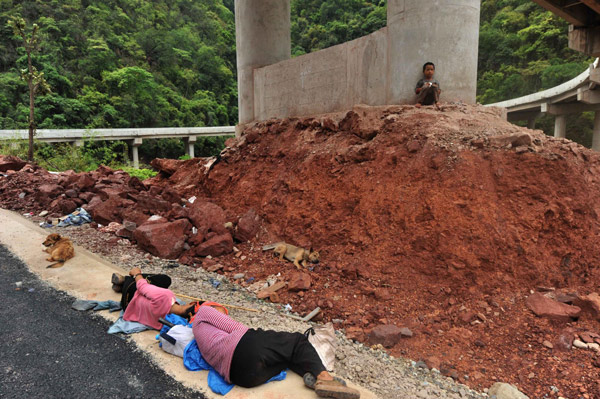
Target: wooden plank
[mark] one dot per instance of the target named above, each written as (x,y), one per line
(593,4)
(574,15)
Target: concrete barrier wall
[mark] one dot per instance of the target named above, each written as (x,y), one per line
(381,68)
(325,81)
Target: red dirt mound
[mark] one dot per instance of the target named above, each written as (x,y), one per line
(442,221)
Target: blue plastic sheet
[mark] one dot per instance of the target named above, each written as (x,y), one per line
(193,361)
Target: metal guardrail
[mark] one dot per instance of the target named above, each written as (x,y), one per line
(135,136)
(73,135)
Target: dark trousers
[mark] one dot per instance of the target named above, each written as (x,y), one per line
(260,355)
(428,96)
(129,286)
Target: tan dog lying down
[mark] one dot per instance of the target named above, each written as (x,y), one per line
(299,256)
(60,250)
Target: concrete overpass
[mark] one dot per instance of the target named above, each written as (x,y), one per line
(575,96)
(134,137)
(584,19)
(378,69)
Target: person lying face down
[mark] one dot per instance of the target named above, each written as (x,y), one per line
(146,298)
(428,89)
(249,357)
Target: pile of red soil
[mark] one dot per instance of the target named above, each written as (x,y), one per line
(442,221)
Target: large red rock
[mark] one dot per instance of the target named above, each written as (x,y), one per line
(104,212)
(165,240)
(387,335)
(299,282)
(67,206)
(216,246)
(84,182)
(590,303)
(9,162)
(49,190)
(154,204)
(207,216)
(543,306)
(167,166)
(247,226)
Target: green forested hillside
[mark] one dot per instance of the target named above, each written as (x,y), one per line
(522,49)
(123,63)
(142,63)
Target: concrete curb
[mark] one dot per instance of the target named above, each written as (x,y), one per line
(87,276)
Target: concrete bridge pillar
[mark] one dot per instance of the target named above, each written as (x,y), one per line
(263,37)
(596,139)
(134,152)
(560,126)
(189,146)
(447,33)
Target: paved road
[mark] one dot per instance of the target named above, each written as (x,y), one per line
(48,350)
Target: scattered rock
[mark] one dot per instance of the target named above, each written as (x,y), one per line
(506,391)
(9,162)
(387,335)
(165,240)
(513,140)
(299,281)
(548,344)
(543,306)
(206,216)
(247,226)
(406,332)
(579,344)
(216,246)
(590,303)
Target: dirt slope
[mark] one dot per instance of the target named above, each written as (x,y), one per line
(440,221)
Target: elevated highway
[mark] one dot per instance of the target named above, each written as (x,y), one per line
(134,137)
(579,94)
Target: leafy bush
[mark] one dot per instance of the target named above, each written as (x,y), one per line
(141,174)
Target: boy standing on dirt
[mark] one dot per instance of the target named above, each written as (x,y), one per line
(428,89)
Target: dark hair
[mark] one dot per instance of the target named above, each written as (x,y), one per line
(189,312)
(428,63)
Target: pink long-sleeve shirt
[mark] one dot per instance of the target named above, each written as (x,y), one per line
(217,336)
(149,304)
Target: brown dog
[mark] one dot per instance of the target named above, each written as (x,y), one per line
(60,250)
(299,256)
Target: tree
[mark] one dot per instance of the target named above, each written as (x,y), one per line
(35,79)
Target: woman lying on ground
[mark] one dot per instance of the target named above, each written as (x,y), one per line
(249,357)
(145,298)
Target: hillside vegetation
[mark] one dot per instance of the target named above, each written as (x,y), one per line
(140,63)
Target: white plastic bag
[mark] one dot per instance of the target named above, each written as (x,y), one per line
(182,336)
(324,341)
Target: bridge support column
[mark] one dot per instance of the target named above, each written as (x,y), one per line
(263,37)
(531,122)
(134,152)
(447,33)
(189,146)
(560,126)
(78,143)
(596,139)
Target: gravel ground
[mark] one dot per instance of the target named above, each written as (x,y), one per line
(372,368)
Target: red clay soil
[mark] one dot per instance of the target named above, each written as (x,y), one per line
(442,221)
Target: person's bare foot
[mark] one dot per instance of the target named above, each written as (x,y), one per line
(418,105)
(437,106)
